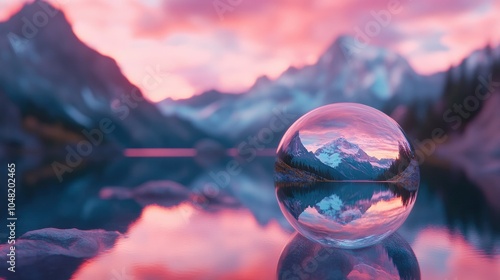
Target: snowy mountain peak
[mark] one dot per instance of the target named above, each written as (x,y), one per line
(371,75)
(348,49)
(343,144)
(335,151)
(335,51)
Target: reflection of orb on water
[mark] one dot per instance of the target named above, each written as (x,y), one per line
(392,258)
(346,175)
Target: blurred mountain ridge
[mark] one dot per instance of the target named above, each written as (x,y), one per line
(373,76)
(59,87)
(59,83)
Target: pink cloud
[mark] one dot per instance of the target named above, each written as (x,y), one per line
(374,132)
(204,49)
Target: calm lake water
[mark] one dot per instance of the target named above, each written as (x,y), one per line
(189,218)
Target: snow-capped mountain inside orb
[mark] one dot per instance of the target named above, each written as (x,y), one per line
(333,152)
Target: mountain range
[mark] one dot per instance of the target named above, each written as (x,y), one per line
(335,160)
(59,86)
(53,86)
(350,160)
(333,152)
(375,77)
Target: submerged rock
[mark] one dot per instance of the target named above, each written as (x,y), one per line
(52,253)
(165,193)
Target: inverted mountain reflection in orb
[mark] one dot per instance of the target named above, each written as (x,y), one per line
(347,215)
(392,258)
(346,175)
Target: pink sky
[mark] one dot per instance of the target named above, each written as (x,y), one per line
(202,49)
(378,139)
(374,132)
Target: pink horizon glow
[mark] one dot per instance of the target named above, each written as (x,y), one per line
(200,50)
(186,152)
(160,152)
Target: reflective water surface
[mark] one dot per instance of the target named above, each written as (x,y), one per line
(186,243)
(138,218)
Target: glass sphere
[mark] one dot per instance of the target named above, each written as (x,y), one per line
(346,175)
(392,258)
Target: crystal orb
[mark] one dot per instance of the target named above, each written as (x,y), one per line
(392,258)
(346,175)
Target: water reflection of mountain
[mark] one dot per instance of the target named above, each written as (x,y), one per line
(76,198)
(299,197)
(462,207)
